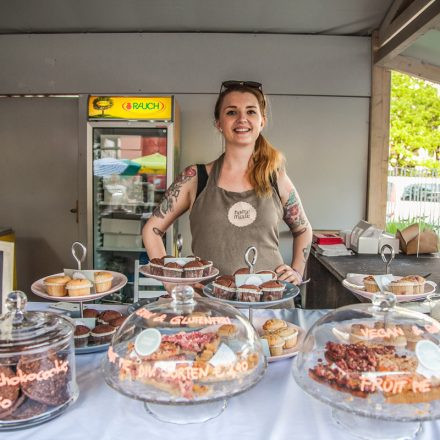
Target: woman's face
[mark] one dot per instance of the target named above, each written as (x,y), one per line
(240,119)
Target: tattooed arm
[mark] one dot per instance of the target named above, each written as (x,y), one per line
(295,218)
(176,200)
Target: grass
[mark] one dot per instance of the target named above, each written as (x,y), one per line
(393,226)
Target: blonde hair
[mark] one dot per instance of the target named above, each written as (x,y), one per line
(266,160)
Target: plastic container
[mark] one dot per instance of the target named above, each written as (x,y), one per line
(37,365)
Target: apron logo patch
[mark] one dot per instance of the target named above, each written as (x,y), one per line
(242,214)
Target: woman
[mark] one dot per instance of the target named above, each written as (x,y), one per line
(238,200)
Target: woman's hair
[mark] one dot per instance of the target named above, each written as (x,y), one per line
(266,160)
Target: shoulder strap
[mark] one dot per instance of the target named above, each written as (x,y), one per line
(274,183)
(202,178)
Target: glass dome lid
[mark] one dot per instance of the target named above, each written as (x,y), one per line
(184,350)
(374,360)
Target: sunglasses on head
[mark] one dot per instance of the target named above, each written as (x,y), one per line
(232,84)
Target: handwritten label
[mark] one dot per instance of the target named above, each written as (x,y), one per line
(184,320)
(394,385)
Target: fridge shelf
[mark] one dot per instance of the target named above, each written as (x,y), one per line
(102,203)
(116,249)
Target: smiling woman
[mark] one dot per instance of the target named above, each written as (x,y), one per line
(238,200)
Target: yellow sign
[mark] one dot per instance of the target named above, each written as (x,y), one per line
(131,107)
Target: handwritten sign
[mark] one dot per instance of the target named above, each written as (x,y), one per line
(184,320)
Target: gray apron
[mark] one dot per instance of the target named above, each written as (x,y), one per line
(225,223)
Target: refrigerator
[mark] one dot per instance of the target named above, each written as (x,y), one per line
(133,144)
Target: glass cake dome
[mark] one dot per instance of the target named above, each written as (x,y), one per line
(183,357)
(376,361)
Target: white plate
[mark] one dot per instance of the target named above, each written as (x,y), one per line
(118,282)
(258,322)
(145,270)
(291,291)
(355,284)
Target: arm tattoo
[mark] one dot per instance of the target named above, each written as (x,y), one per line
(298,233)
(158,232)
(306,252)
(294,214)
(172,193)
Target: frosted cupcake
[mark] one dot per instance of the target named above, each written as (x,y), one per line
(56,286)
(103,281)
(78,287)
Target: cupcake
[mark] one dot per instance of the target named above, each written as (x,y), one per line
(117,322)
(241,271)
(272,290)
(102,334)
(274,324)
(249,293)
(227,331)
(289,335)
(173,270)
(156,266)
(78,287)
(207,266)
(108,315)
(275,343)
(103,281)
(56,286)
(403,286)
(193,269)
(224,287)
(90,313)
(417,282)
(81,336)
(370,284)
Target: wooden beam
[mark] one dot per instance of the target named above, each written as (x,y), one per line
(390,16)
(415,67)
(378,150)
(420,24)
(403,20)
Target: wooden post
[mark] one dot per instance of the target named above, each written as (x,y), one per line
(378,150)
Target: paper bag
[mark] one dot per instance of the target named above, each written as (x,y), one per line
(409,240)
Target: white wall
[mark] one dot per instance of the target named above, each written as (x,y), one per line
(319,89)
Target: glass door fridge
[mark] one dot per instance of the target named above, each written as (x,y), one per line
(134,147)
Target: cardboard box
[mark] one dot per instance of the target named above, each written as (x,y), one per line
(121,226)
(413,241)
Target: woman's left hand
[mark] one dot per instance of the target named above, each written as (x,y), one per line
(286,273)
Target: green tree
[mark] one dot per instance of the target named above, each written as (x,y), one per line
(414,122)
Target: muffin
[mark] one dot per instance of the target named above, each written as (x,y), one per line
(193,269)
(227,331)
(275,343)
(103,281)
(81,336)
(413,335)
(370,284)
(241,271)
(117,322)
(289,335)
(411,284)
(224,287)
(78,287)
(207,266)
(156,266)
(102,334)
(274,324)
(268,272)
(249,293)
(108,315)
(90,313)
(173,270)
(56,286)
(272,290)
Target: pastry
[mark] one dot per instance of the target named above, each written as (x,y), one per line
(193,269)
(249,293)
(78,287)
(117,322)
(103,281)
(173,270)
(102,334)
(242,270)
(409,285)
(370,284)
(289,335)
(108,315)
(224,287)
(90,313)
(274,324)
(272,290)
(207,265)
(227,331)
(156,266)
(275,343)
(56,286)
(81,336)
(268,272)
